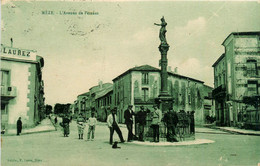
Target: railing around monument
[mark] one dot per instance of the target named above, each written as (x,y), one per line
(184,130)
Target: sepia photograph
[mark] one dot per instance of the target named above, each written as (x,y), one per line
(130,83)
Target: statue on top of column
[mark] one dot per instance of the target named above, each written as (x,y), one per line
(162,31)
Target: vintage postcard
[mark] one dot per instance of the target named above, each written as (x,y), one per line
(130,83)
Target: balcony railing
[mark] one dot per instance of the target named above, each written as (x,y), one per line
(8,91)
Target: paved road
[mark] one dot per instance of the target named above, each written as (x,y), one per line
(53,149)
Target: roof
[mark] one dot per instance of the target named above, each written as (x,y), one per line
(103,92)
(153,69)
(103,85)
(84,94)
(208,86)
(138,68)
(185,77)
(218,60)
(242,33)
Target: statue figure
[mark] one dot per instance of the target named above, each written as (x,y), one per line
(162,31)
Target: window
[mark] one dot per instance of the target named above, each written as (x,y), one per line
(5,80)
(145,94)
(3,109)
(252,88)
(145,78)
(189,98)
(251,67)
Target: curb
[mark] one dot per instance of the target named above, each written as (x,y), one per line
(237,132)
(231,131)
(204,132)
(182,143)
(26,133)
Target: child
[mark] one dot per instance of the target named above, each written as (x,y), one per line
(81,125)
(92,124)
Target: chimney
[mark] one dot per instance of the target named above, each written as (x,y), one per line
(176,70)
(100,83)
(11,42)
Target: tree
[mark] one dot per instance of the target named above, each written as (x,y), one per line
(48,109)
(61,108)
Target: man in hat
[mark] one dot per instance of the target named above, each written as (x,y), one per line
(113,126)
(128,115)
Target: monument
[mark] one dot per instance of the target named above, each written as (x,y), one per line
(164,99)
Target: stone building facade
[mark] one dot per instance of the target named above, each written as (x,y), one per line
(140,86)
(22,87)
(236,81)
(92,101)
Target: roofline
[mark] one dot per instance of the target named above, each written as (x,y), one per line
(242,33)
(129,70)
(98,85)
(111,90)
(188,78)
(218,60)
(83,94)
(208,86)
(170,73)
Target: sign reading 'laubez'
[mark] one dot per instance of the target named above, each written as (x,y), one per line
(17,53)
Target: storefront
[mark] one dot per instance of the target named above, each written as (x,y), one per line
(22,91)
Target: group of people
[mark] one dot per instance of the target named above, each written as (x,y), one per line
(140,119)
(170,119)
(81,124)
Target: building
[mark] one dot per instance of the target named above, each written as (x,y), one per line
(141,86)
(103,100)
(22,87)
(236,81)
(92,101)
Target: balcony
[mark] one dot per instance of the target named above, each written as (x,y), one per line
(8,92)
(219,92)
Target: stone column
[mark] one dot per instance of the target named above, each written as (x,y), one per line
(164,99)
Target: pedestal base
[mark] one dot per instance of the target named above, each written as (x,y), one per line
(165,101)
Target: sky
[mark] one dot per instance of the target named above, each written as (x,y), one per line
(81,49)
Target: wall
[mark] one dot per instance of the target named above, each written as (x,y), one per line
(19,73)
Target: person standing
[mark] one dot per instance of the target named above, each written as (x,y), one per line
(92,121)
(141,121)
(19,126)
(192,122)
(81,125)
(66,125)
(113,126)
(56,122)
(156,120)
(128,115)
(171,121)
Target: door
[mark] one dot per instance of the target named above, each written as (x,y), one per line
(4,115)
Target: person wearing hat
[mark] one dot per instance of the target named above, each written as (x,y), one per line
(113,126)
(156,120)
(141,121)
(128,115)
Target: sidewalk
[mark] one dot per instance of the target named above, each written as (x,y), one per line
(239,131)
(234,130)
(45,126)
